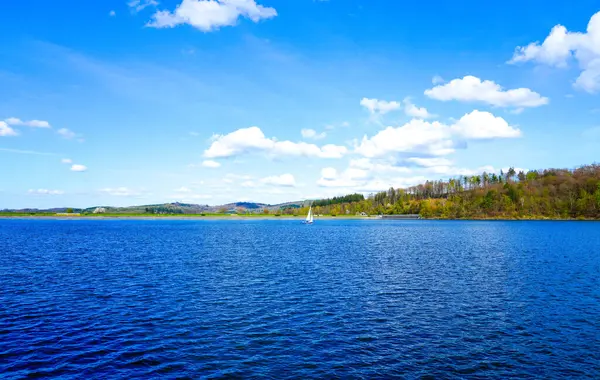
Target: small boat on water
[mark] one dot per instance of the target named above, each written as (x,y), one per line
(309,217)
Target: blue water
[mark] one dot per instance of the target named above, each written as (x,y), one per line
(277,299)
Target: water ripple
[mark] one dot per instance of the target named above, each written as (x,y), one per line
(277,300)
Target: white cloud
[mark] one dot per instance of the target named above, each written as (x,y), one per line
(312,134)
(13,121)
(5,130)
(412,110)
(363,181)
(434,138)
(66,161)
(45,192)
(328,173)
(78,168)
(248,140)
(331,178)
(560,46)
(211,164)
(416,136)
(120,192)
(66,133)
(484,125)
(437,79)
(473,89)
(140,5)
(112,13)
(210,15)
(30,123)
(381,107)
(286,180)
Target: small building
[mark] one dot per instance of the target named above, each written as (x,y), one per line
(99,210)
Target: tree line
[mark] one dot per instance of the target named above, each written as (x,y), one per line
(339,200)
(539,194)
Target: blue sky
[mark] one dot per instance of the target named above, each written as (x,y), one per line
(136,102)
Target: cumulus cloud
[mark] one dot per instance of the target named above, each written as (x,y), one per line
(45,192)
(66,161)
(561,46)
(31,123)
(412,110)
(352,179)
(210,15)
(473,89)
(78,168)
(211,164)
(420,137)
(364,174)
(312,134)
(249,140)
(286,180)
(379,107)
(416,136)
(5,130)
(479,125)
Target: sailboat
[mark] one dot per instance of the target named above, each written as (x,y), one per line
(309,217)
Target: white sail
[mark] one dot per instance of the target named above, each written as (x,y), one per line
(309,217)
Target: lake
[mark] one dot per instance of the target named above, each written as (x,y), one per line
(277,299)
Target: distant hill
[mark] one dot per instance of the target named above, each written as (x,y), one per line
(48,210)
(171,208)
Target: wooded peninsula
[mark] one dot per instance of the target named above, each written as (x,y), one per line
(536,194)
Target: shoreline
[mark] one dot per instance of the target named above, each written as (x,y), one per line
(272,217)
(176,217)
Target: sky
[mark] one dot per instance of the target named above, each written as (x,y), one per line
(144,101)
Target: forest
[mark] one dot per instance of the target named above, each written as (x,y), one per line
(339,200)
(536,194)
